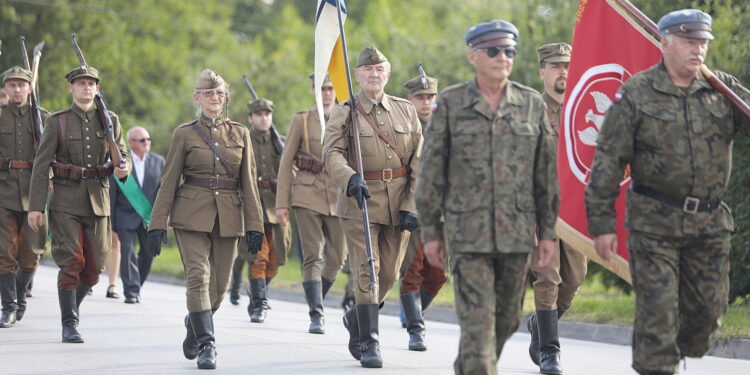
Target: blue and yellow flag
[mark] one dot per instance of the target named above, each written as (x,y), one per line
(329,53)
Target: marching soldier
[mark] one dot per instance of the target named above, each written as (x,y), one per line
(420,281)
(216,205)
(555,287)
(312,196)
(675,131)
(20,247)
(265,264)
(391,138)
(489,167)
(75,145)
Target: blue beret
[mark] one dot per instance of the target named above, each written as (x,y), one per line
(494,33)
(690,23)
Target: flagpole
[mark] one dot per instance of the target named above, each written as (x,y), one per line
(357,155)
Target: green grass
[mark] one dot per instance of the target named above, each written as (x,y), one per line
(594,303)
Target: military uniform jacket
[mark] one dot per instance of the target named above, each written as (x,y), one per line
(676,142)
(491,173)
(195,208)
(16,143)
(315,191)
(267,159)
(553,112)
(86,147)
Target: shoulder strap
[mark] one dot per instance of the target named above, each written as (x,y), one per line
(381,134)
(63,122)
(213,148)
(306,130)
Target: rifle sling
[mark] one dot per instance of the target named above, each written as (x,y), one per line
(306,131)
(380,133)
(213,148)
(63,122)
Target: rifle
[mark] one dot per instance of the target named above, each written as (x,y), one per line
(107,126)
(277,142)
(36,115)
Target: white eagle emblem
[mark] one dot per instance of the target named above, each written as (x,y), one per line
(603,102)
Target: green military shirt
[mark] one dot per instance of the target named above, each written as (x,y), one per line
(491,173)
(267,159)
(553,111)
(86,147)
(677,142)
(16,143)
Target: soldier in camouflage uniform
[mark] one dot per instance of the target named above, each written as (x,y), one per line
(20,247)
(675,131)
(489,166)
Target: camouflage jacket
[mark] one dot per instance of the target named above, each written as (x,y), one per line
(676,142)
(491,173)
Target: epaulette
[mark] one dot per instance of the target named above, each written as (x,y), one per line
(457,86)
(61,111)
(186,124)
(525,88)
(397,99)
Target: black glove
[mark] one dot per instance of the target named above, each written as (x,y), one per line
(357,188)
(254,241)
(409,221)
(155,238)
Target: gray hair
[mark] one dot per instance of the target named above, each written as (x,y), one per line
(133,129)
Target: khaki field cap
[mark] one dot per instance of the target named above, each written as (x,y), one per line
(416,85)
(17,72)
(208,79)
(326,81)
(370,56)
(259,104)
(554,53)
(690,23)
(83,71)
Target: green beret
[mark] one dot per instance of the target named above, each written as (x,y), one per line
(554,53)
(208,79)
(83,71)
(422,85)
(370,56)
(259,104)
(326,81)
(17,72)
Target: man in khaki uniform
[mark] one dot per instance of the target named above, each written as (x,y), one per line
(556,286)
(277,240)
(312,195)
(20,247)
(390,171)
(75,145)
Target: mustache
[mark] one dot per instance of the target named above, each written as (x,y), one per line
(699,57)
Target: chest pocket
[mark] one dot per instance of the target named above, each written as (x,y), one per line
(233,150)
(654,130)
(367,138)
(470,137)
(524,129)
(6,136)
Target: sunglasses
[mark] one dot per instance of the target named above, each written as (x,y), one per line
(510,52)
(142,140)
(208,94)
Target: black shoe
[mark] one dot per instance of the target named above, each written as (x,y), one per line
(8,296)
(351,324)
(189,345)
(369,344)
(207,358)
(327,284)
(314,298)
(534,344)
(549,342)
(23,279)
(414,321)
(203,327)
(259,303)
(69,316)
(132,300)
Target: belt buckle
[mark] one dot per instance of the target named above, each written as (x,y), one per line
(691,205)
(388,175)
(213,183)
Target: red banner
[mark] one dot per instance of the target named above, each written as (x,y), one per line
(608,48)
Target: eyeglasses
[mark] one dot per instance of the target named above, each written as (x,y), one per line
(142,140)
(209,93)
(492,52)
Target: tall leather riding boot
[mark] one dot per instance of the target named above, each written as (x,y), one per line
(8,297)
(234,288)
(549,342)
(258,304)
(189,345)
(81,291)
(31,281)
(314,298)
(369,344)
(23,278)
(414,321)
(327,284)
(426,299)
(534,344)
(352,325)
(268,281)
(203,326)
(69,316)
(560,312)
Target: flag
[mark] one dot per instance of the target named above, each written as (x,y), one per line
(608,48)
(329,54)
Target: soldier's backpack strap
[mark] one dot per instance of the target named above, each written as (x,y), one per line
(213,148)
(382,135)
(306,131)
(62,120)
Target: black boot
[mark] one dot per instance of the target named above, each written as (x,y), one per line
(31,282)
(234,288)
(69,315)
(314,297)
(352,325)
(203,326)
(23,279)
(348,301)
(369,344)
(549,342)
(327,284)
(258,304)
(189,345)
(81,292)
(534,344)
(8,296)
(414,321)
(426,299)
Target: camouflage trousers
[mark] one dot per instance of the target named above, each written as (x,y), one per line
(489,290)
(81,247)
(323,244)
(682,289)
(19,245)
(558,285)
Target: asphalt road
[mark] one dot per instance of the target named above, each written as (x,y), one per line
(147,338)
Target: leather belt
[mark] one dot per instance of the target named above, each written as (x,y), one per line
(15,164)
(688,204)
(213,182)
(77,173)
(386,174)
(266,183)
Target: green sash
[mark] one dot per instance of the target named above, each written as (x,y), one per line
(137,199)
